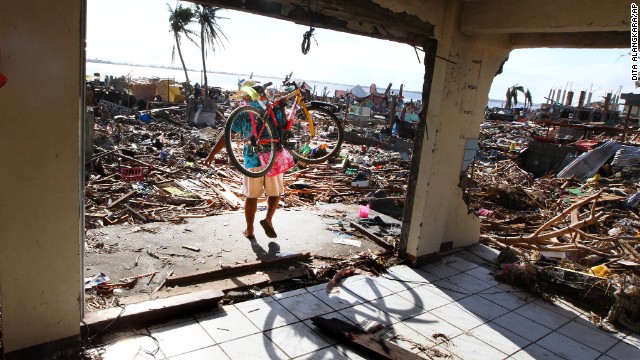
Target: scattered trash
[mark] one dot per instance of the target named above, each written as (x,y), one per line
(360,180)
(364,211)
(92,282)
(333,286)
(356,243)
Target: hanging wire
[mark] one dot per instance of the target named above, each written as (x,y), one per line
(306,40)
(415,48)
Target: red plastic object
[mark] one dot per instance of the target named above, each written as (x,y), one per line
(3,80)
(134,174)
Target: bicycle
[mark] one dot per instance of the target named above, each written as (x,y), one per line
(254,133)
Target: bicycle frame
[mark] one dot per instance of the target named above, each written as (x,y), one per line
(308,130)
(299,101)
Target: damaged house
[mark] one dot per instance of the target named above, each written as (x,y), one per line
(42,210)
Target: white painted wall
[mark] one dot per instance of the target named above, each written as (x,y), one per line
(40,207)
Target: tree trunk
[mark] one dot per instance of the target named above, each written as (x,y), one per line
(204,63)
(186,75)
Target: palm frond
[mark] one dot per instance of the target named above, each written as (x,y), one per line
(207,17)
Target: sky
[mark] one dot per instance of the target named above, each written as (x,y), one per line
(137,31)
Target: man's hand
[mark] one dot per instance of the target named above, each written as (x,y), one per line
(210,159)
(216,149)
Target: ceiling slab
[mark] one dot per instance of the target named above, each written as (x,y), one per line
(481,17)
(360,17)
(582,40)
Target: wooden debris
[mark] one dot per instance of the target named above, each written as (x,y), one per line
(122,198)
(363,341)
(232,270)
(192,248)
(371,236)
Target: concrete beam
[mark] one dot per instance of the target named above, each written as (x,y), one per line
(595,40)
(541,16)
(360,17)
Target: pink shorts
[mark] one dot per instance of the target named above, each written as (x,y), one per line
(256,187)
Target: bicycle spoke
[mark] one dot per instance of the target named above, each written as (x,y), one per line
(318,142)
(250,141)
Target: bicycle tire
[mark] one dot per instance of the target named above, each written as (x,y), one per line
(327,130)
(240,141)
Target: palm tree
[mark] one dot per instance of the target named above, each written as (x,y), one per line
(528,99)
(179,19)
(210,33)
(512,95)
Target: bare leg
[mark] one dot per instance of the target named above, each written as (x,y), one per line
(272,205)
(250,208)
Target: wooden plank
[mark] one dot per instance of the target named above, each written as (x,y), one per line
(629,249)
(122,198)
(249,281)
(227,194)
(136,214)
(208,275)
(361,340)
(192,248)
(152,311)
(243,282)
(575,219)
(376,239)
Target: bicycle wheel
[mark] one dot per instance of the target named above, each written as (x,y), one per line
(320,146)
(250,141)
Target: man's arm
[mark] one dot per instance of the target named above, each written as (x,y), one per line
(216,149)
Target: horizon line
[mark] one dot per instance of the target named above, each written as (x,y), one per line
(101,61)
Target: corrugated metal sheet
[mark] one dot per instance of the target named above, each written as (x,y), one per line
(588,164)
(627,156)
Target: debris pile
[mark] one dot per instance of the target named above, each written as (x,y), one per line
(574,232)
(150,167)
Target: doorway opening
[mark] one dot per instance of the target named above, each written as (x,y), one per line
(153,210)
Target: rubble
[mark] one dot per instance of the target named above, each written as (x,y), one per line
(147,166)
(148,171)
(572,231)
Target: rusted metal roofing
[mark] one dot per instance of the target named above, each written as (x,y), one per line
(588,164)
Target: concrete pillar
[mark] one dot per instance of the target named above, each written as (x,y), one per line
(464,70)
(40,157)
(569,98)
(581,99)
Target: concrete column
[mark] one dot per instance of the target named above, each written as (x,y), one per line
(581,99)
(464,70)
(569,98)
(42,55)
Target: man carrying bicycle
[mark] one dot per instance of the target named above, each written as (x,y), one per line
(253,188)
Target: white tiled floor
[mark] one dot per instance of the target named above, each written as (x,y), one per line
(419,308)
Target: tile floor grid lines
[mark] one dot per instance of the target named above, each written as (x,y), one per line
(455,299)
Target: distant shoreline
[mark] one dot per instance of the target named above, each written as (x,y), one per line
(155,66)
(99,61)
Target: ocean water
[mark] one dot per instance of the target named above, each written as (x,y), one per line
(223,80)
(230,81)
